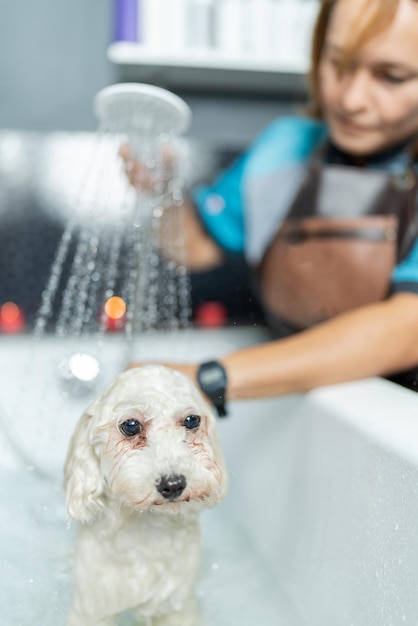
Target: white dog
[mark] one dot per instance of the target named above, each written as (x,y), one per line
(143,461)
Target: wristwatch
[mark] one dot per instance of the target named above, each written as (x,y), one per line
(212,380)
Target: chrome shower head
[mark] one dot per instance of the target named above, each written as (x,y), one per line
(141,108)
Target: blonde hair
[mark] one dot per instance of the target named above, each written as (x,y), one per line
(377,16)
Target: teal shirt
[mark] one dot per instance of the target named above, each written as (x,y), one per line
(245,206)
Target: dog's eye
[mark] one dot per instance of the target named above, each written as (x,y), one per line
(130,428)
(191,422)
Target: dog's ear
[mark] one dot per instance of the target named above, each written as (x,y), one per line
(83,481)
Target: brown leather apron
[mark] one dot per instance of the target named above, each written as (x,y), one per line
(325,259)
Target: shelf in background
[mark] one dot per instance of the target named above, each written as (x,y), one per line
(203,70)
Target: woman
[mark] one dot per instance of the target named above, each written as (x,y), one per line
(365,118)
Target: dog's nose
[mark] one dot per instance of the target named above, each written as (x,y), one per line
(171,487)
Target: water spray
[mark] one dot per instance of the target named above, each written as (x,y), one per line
(149,120)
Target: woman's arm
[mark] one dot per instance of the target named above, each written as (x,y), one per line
(199,250)
(374,340)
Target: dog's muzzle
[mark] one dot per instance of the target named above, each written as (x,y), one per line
(171,487)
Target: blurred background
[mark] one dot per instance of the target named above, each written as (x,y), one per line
(238,63)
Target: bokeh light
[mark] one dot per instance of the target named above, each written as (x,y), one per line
(11,318)
(115,314)
(115,307)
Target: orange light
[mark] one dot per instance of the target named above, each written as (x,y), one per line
(115,307)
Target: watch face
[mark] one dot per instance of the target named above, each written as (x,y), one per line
(211,376)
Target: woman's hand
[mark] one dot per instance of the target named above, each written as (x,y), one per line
(151,178)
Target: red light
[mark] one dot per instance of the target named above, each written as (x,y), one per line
(11,318)
(211,315)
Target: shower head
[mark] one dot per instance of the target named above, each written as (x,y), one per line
(141,108)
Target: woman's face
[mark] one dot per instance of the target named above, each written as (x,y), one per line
(373,104)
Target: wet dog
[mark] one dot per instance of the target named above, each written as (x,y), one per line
(143,461)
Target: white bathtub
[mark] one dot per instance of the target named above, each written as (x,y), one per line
(320,526)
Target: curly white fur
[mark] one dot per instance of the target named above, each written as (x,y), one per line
(138,496)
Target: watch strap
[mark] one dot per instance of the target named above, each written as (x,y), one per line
(212,379)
